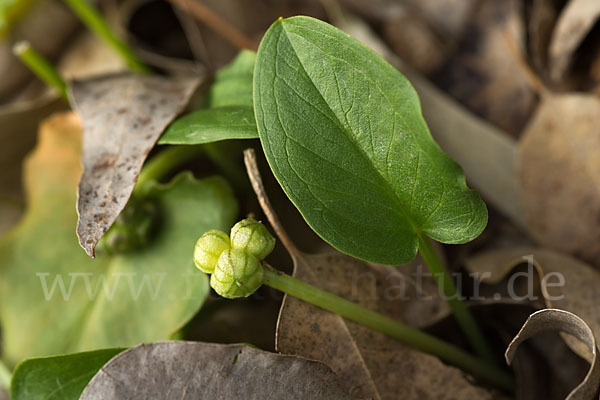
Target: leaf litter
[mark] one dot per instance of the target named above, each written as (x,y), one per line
(194,370)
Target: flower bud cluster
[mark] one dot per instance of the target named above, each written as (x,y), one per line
(235,262)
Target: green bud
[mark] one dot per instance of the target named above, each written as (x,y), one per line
(237,274)
(253,237)
(208,249)
(134,228)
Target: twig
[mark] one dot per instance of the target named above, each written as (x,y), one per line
(205,15)
(261,194)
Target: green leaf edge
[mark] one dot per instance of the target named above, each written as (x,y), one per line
(177,129)
(22,365)
(461,181)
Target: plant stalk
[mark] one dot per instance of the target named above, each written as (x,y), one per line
(174,156)
(5,376)
(165,162)
(461,313)
(41,67)
(96,23)
(477,367)
(220,153)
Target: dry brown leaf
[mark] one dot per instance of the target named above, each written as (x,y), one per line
(485,74)
(193,370)
(554,320)
(578,292)
(361,357)
(559,175)
(574,23)
(412,39)
(541,20)
(447,18)
(123,116)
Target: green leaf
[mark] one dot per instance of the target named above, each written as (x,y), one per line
(105,302)
(233,83)
(59,377)
(344,135)
(212,125)
(230,115)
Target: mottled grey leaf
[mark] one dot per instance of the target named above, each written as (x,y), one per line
(554,320)
(123,116)
(192,370)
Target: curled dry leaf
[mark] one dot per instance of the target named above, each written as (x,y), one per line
(574,23)
(544,368)
(565,282)
(559,175)
(553,320)
(192,370)
(123,116)
(363,358)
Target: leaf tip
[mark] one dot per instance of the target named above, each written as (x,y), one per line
(88,244)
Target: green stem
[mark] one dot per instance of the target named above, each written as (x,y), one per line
(461,313)
(38,64)
(174,156)
(96,23)
(220,153)
(165,162)
(399,331)
(5,376)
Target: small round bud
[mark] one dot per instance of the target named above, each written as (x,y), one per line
(252,236)
(208,249)
(237,274)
